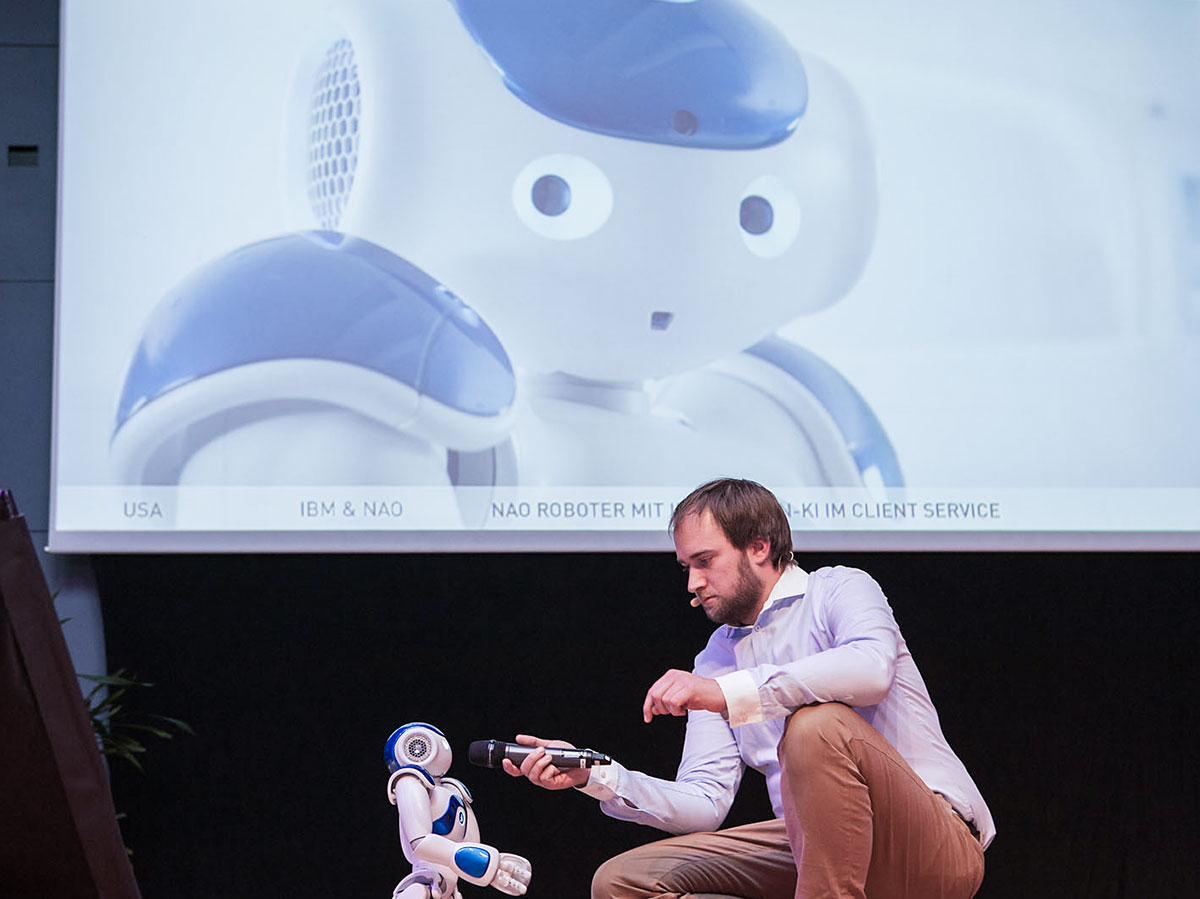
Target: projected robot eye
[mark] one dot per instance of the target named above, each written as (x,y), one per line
(757,215)
(769,216)
(562,196)
(551,195)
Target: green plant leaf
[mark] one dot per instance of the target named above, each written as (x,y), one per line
(117,728)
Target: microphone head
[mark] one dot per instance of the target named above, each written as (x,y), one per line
(481,753)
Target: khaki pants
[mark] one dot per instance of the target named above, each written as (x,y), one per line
(858,822)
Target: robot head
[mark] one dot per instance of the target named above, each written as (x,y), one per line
(418,744)
(623,189)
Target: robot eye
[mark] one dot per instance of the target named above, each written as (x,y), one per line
(551,195)
(562,196)
(769,216)
(757,215)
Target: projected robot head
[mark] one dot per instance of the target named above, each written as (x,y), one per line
(622,190)
(422,745)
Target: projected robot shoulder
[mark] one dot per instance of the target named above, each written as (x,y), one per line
(619,252)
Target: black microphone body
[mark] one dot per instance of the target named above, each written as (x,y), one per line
(490,753)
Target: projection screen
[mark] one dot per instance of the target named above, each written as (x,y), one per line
(508,274)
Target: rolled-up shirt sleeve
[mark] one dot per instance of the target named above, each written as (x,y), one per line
(857,668)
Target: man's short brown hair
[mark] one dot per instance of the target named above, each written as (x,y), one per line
(745,511)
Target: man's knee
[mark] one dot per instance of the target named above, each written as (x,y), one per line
(603,881)
(614,879)
(813,731)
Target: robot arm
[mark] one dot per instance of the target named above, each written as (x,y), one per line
(831,435)
(475,862)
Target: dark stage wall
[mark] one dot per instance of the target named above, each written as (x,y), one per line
(1067,682)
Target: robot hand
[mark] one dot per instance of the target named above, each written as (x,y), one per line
(513,874)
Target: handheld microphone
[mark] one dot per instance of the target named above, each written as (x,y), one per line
(489,754)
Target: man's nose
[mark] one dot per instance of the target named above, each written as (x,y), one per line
(695,581)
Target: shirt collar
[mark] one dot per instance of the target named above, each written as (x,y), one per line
(792,583)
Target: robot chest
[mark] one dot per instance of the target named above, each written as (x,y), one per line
(451,816)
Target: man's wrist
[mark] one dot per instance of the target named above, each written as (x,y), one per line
(741,698)
(601,783)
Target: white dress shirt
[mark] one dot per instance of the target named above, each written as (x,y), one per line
(820,637)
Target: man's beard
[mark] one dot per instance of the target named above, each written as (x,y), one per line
(738,607)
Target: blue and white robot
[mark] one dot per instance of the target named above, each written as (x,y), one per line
(438,830)
(536,243)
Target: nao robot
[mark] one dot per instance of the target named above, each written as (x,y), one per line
(535,243)
(438,830)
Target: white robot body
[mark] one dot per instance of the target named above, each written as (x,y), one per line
(574,430)
(313,445)
(438,831)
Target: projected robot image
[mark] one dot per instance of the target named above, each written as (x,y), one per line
(438,831)
(531,244)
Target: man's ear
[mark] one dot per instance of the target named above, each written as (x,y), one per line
(759,551)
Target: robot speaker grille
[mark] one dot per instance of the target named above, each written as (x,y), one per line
(333,123)
(417,748)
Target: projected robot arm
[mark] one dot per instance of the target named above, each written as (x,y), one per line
(438,831)
(863,435)
(843,442)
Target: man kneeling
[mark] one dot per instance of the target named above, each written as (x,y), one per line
(808,680)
